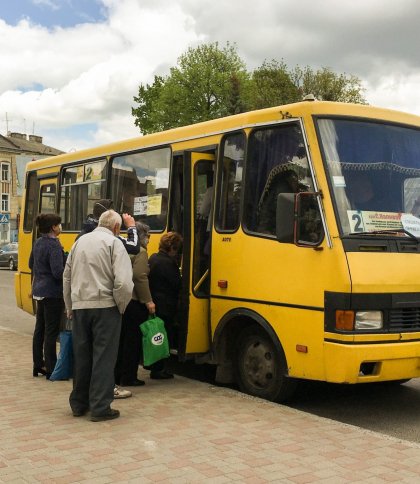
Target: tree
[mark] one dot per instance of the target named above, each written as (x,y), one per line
(326,85)
(208,82)
(272,86)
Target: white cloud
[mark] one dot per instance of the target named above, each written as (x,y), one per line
(88,74)
(92,71)
(397,92)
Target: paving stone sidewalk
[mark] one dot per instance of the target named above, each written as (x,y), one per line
(180,431)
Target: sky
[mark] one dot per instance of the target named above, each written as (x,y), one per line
(70,68)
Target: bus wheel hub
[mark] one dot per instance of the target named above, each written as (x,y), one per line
(258,364)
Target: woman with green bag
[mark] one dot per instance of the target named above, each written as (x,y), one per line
(138,310)
(165,284)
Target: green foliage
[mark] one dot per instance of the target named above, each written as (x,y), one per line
(210,82)
(272,86)
(326,85)
(207,83)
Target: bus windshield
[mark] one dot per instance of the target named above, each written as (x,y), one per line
(374,172)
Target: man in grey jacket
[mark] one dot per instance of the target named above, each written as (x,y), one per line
(97,284)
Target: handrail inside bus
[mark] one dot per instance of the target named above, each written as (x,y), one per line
(202,279)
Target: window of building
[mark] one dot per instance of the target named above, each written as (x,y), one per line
(5,172)
(230,186)
(82,186)
(5,202)
(139,186)
(276,163)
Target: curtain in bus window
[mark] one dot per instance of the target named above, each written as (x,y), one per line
(276,163)
(139,186)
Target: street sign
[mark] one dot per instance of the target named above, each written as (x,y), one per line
(4,218)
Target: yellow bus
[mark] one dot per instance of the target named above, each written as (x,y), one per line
(306,266)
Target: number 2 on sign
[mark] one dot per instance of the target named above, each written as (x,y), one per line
(357,222)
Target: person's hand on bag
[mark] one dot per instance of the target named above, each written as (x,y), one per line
(69,313)
(151,307)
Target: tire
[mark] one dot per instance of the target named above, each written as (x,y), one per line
(261,367)
(11,265)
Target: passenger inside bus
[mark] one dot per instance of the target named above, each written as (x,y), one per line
(363,194)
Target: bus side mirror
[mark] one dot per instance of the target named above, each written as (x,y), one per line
(298,219)
(285,217)
(309,231)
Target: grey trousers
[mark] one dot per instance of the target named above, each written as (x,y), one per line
(96,334)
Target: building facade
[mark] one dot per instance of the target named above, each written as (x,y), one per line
(16,150)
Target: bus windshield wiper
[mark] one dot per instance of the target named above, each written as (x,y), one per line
(387,232)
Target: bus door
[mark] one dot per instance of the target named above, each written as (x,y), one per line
(198,202)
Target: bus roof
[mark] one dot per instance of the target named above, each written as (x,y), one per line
(238,121)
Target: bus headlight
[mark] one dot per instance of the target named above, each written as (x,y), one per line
(368,320)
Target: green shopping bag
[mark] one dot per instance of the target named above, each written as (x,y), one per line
(155,340)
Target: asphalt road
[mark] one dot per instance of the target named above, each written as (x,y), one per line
(387,408)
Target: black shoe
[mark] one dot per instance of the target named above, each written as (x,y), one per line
(79,413)
(134,383)
(110,415)
(39,371)
(161,375)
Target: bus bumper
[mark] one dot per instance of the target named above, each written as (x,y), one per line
(365,363)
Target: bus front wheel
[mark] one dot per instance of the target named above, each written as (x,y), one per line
(261,367)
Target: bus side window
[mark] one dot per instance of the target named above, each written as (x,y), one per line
(48,199)
(230,185)
(276,163)
(81,186)
(140,186)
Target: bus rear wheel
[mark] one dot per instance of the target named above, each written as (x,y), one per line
(261,367)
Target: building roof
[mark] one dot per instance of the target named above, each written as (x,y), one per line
(21,143)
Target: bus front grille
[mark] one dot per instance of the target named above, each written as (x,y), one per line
(407,319)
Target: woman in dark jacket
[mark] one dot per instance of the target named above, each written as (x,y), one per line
(165,284)
(47,264)
(137,311)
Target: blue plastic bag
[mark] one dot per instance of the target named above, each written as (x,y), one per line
(63,369)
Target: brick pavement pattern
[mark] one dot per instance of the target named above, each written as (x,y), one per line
(180,431)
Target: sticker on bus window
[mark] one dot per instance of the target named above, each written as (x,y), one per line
(368,221)
(154,204)
(140,206)
(411,223)
(339,181)
(93,171)
(80,175)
